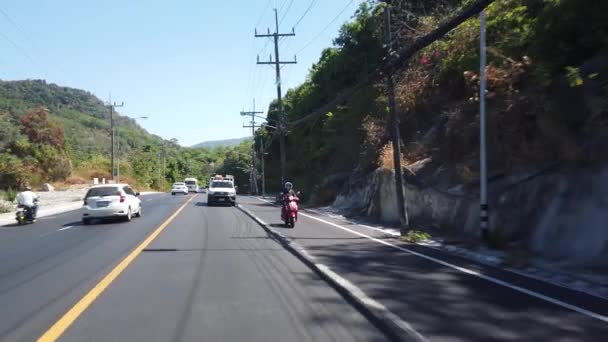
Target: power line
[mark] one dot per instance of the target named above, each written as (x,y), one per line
(263,12)
(286,11)
(252,77)
(326,26)
(19,48)
(282,5)
(12,22)
(305,13)
(277,62)
(30,40)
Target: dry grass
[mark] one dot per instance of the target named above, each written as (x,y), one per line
(385,158)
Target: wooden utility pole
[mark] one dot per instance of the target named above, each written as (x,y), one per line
(277,64)
(113,105)
(253,126)
(394,127)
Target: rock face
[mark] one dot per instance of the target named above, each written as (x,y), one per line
(47,187)
(560,215)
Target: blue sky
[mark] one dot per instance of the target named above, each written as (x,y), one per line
(187,65)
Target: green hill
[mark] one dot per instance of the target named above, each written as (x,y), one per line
(221,143)
(84,118)
(50,133)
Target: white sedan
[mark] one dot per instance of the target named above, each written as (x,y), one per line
(179,188)
(108,201)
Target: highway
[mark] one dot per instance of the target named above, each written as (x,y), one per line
(189,272)
(211,274)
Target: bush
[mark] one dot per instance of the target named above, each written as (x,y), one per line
(8,195)
(415,236)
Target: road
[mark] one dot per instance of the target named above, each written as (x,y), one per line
(211,274)
(189,272)
(443,297)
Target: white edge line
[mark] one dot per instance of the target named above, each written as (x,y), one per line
(471,272)
(364,298)
(442,248)
(64,228)
(350,287)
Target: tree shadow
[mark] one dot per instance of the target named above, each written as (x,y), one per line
(442,302)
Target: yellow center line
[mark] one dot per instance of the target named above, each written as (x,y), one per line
(57,329)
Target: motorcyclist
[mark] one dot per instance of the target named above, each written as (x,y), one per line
(29,200)
(287,191)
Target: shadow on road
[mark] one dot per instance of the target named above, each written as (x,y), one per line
(439,301)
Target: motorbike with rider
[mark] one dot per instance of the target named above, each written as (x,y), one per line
(289,205)
(27,204)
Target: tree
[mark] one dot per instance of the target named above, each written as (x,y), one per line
(40,129)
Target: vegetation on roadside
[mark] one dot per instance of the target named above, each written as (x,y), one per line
(547,90)
(415,236)
(61,135)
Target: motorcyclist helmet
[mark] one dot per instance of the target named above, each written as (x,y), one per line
(288,186)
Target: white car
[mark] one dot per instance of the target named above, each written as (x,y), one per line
(179,188)
(111,200)
(222,192)
(192,184)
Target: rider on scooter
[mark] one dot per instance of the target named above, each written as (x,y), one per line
(28,199)
(287,191)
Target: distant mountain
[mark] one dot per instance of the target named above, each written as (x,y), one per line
(221,143)
(83,117)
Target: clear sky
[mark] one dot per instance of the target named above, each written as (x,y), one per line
(187,65)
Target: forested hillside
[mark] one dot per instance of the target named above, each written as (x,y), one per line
(50,133)
(220,143)
(547,89)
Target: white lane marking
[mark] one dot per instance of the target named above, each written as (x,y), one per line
(56,231)
(364,298)
(470,272)
(388,231)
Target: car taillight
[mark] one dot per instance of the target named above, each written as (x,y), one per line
(122,198)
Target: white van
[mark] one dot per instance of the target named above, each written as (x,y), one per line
(192,184)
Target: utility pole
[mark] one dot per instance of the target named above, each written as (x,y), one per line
(483,163)
(159,169)
(118,157)
(394,122)
(277,64)
(113,105)
(262,156)
(164,167)
(253,174)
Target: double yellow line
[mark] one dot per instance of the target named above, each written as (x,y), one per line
(57,329)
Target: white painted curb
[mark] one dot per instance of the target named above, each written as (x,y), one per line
(392,324)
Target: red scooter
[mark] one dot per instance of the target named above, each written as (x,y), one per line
(289,213)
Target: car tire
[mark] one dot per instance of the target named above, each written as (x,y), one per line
(129,216)
(138,212)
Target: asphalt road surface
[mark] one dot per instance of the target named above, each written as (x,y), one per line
(189,272)
(211,274)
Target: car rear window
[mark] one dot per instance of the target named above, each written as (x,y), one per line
(103,191)
(221,185)
(178,184)
(190,182)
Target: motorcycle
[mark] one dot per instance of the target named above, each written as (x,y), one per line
(289,214)
(24,216)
